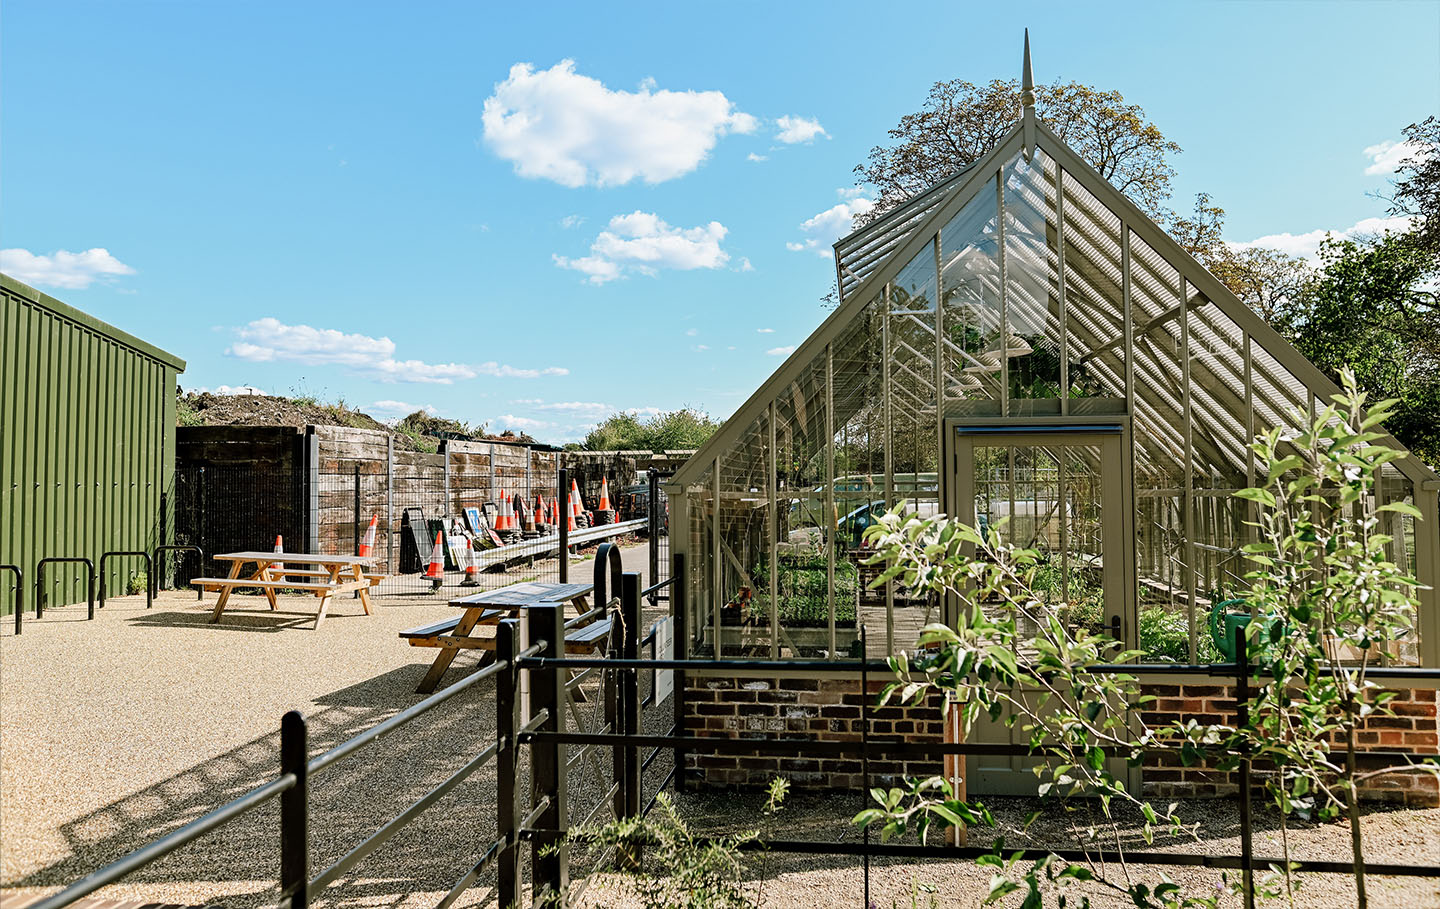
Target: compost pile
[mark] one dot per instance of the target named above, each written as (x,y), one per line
(208,409)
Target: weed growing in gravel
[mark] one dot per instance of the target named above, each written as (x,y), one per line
(670,867)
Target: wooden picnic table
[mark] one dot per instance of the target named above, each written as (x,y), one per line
(488,608)
(332,575)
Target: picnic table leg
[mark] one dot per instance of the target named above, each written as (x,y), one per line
(364,590)
(264,575)
(225,592)
(324,604)
(446,656)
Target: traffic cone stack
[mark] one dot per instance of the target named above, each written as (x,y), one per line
(367,545)
(604,514)
(436,571)
(472,570)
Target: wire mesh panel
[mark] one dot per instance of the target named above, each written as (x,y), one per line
(232,509)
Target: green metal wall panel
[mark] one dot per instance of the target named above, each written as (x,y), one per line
(87,442)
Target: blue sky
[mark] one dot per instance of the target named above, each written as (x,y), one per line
(311,197)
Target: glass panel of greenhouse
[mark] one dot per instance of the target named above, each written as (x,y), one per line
(1018,348)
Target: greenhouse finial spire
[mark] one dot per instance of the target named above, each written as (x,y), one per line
(1027,101)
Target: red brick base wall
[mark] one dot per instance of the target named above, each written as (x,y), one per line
(809,709)
(829,710)
(1413,729)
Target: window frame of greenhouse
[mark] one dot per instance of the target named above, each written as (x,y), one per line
(1125,336)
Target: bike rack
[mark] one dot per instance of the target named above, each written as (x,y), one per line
(19,594)
(174,547)
(149,569)
(40,583)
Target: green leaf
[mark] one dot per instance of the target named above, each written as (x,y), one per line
(1401,508)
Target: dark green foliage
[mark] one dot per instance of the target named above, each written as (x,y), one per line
(802,585)
(680,430)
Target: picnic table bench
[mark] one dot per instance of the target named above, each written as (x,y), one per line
(333,574)
(488,608)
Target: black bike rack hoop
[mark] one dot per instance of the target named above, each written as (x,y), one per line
(175,547)
(19,595)
(40,583)
(149,570)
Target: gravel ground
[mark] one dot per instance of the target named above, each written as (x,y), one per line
(798,881)
(117,731)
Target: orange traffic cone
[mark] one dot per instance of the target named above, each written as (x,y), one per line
(436,571)
(540,513)
(278,568)
(507,505)
(367,545)
(555,512)
(604,494)
(472,570)
(571,519)
(500,523)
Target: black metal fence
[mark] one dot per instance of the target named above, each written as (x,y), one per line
(538,821)
(231,509)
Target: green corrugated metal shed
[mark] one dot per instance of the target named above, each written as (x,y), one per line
(87,442)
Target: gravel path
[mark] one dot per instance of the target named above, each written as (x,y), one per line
(116,731)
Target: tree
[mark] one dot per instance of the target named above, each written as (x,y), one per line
(1373,307)
(682,429)
(1417,191)
(960,122)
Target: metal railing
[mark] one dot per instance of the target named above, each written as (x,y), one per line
(149,570)
(870,747)
(541,817)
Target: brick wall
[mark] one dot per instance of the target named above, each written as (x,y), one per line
(829,710)
(808,709)
(1413,729)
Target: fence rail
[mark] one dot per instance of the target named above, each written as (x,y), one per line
(542,817)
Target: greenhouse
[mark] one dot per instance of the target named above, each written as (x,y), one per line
(1021,347)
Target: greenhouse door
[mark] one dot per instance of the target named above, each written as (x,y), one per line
(1058,489)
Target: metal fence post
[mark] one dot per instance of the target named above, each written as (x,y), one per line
(294,815)
(507,762)
(563,523)
(550,855)
(653,510)
(630,688)
(1242,720)
(355,521)
(678,615)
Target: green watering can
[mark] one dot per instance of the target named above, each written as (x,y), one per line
(1224,622)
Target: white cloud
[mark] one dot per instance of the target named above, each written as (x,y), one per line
(822,230)
(781,351)
(67,270)
(799,129)
(642,242)
(754,157)
(1386,157)
(511,421)
(692,332)
(1307,245)
(268,340)
(765,331)
(591,408)
(644,411)
(570,221)
(744,264)
(558,125)
(397,409)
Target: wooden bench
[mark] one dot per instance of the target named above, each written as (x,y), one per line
(587,639)
(214,585)
(438,634)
